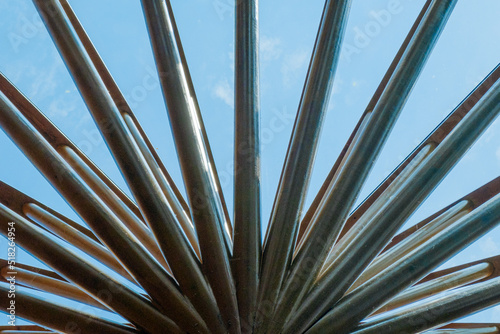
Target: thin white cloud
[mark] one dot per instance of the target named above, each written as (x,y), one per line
(489,246)
(292,65)
(223,91)
(269,48)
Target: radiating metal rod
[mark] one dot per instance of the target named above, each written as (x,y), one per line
(431,228)
(432,314)
(154,206)
(370,239)
(51,285)
(247,249)
(359,127)
(103,187)
(174,312)
(60,318)
(40,271)
(168,186)
(283,224)
(198,169)
(341,195)
(147,271)
(444,283)
(473,328)
(60,226)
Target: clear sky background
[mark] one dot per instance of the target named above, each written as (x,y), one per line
(467,51)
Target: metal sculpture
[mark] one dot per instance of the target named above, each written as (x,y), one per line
(180,266)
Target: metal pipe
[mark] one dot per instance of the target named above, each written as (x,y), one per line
(51,285)
(369,242)
(90,279)
(200,178)
(377,205)
(456,304)
(341,195)
(283,224)
(153,204)
(60,318)
(183,217)
(247,251)
(355,306)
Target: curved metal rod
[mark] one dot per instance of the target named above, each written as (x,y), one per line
(359,127)
(247,251)
(456,304)
(369,241)
(60,318)
(341,195)
(166,182)
(145,269)
(488,328)
(60,226)
(158,316)
(200,177)
(153,204)
(39,282)
(475,199)
(404,272)
(429,228)
(444,283)
(283,224)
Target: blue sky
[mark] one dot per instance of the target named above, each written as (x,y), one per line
(467,50)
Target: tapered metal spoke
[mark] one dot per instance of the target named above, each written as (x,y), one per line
(198,169)
(436,312)
(247,223)
(359,127)
(330,217)
(82,273)
(283,224)
(60,318)
(153,204)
